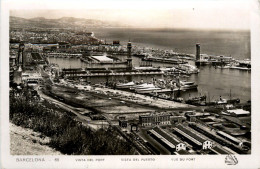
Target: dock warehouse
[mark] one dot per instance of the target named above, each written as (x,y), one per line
(230,138)
(193,137)
(169,141)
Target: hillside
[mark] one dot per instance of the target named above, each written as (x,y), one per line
(27,142)
(64,22)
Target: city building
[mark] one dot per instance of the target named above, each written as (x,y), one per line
(64,45)
(31,78)
(155,119)
(191,116)
(17,76)
(134,127)
(116,42)
(12,60)
(64,55)
(122,121)
(177,119)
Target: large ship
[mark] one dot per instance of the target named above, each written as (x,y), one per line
(242,65)
(141,86)
(148,90)
(125,85)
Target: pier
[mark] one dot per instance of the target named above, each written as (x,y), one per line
(88,74)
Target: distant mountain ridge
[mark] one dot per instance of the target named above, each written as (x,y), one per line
(59,23)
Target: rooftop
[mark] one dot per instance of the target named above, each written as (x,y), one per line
(191,134)
(162,138)
(171,139)
(155,114)
(103,58)
(229,136)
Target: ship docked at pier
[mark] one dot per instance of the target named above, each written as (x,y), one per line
(157,87)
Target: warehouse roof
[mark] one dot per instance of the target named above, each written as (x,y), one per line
(229,136)
(162,138)
(103,58)
(191,134)
(168,137)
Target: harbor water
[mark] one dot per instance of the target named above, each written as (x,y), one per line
(212,82)
(226,83)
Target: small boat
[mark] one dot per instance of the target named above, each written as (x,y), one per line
(184,85)
(224,67)
(195,100)
(178,99)
(221,101)
(233,101)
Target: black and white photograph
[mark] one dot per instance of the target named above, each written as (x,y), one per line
(131,81)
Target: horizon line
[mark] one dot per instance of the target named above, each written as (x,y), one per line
(143,27)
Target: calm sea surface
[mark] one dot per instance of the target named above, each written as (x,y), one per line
(211,81)
(236,44)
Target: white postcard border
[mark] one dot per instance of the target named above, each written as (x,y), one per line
(166,161)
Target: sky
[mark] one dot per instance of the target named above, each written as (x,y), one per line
(202,14)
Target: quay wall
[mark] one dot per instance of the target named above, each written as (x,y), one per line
(144,78)
(112,65)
